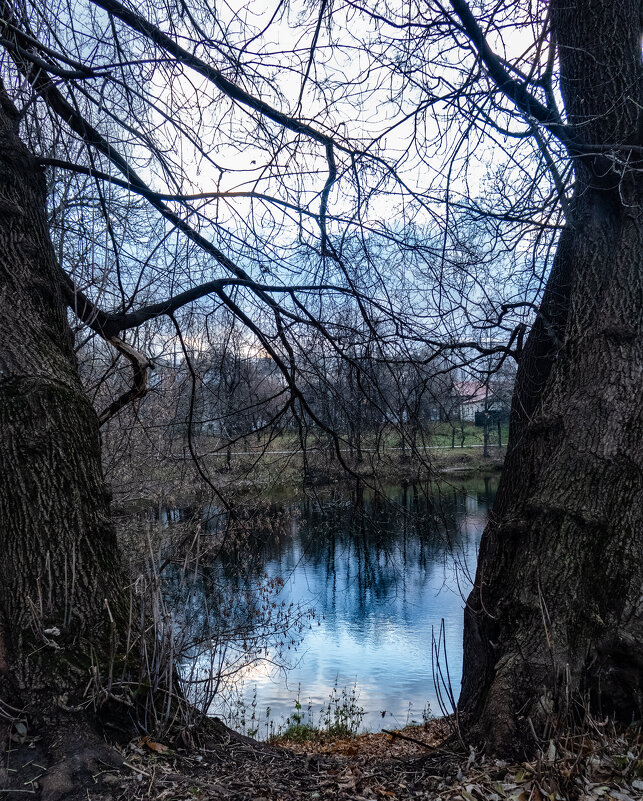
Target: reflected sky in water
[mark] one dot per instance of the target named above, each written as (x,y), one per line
(381,574)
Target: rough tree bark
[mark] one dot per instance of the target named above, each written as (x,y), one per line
(556,613)
(59,563)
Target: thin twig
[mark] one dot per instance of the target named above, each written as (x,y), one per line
(410,739)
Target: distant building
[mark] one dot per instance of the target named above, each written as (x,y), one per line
(475,399)
(471,397)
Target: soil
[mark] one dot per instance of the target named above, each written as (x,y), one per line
(429,762)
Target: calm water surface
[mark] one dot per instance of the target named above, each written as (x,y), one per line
(380,574)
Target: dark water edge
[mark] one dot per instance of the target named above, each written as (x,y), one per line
(330,604)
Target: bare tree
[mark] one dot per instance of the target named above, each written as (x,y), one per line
(275,183)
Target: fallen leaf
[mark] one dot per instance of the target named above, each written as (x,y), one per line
(159,748)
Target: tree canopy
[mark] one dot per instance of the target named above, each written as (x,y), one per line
(282,161)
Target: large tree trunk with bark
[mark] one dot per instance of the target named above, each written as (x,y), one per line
(63,609)
(555,618)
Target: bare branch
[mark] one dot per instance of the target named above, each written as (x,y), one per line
(234,92)
(140,365)
(512,89)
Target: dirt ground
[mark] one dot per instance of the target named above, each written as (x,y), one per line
(415,763)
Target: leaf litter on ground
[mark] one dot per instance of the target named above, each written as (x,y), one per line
(426,764)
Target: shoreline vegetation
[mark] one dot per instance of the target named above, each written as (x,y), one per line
(590,761)
(279,462)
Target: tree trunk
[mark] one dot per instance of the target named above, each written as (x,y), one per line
(60,567)
(556,613)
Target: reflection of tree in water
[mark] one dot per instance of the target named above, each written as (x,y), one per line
(375,549)
(219,580)
(225,609)
(242,586)
(352,550)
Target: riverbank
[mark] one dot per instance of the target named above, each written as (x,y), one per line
(600,764)
(179,478)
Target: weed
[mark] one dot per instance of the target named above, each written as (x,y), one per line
(340,717)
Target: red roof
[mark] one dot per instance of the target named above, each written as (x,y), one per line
(470,391)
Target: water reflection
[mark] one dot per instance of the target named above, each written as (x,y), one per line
(379,574)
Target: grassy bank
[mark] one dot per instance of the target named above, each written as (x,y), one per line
(283,460)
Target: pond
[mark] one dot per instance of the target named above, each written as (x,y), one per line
(343,596)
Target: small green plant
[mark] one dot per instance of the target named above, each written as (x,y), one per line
(426,714)
(269,724)
(342,716)
(241,714)
(298,733)
(300,726)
